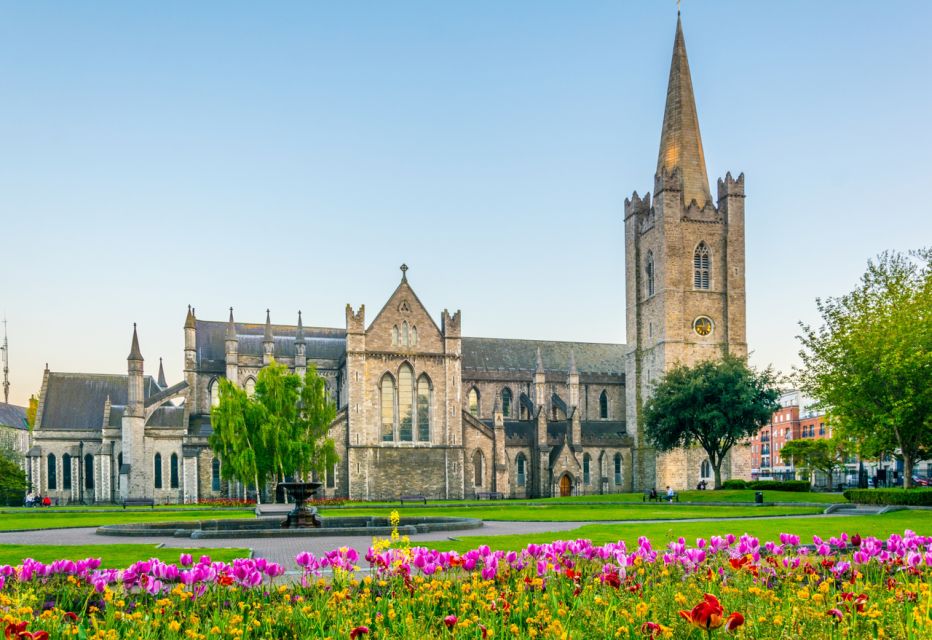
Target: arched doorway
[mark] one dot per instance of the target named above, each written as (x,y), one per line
(566,485)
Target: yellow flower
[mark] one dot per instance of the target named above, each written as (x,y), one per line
(174,625)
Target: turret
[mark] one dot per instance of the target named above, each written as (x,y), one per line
(300,353)
(572,381)
(133,479)
(190,361)
(134,366)
(540,384)
(162,383)
(268,342)
(231,349)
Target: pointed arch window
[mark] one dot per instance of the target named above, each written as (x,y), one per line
(705,469)
(395,336)
(506,402)
(250,387)
(404,334)
(618,469)
(88,471)
(65,472)
(388,408)
(477,465)
(413,335)
(423,408)
(586,469)
(603,405)
(405,403)
(649,268)
(214,390)
(173,471)
(215,474)
(52,475)
(521,464)
(158,470)
(473,400)
(702,272)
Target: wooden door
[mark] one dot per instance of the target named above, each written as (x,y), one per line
(565,485)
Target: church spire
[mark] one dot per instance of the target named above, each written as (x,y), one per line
(680,142)
(231,327)
(162,382)
(134,353)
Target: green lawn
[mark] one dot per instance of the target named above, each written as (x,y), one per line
(561,512)
(740,495)
(661,533)
(112,555)
(54,518)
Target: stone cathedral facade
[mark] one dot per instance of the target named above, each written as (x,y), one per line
(423,409)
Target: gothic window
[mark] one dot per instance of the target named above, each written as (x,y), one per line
(404,334)
(650,273)
(119,462)
(395,336)
(521,464)
(423,408)
(473,400)
(214,390)
(53,479)
(477,464)
(215,474)
(506,402)
(405,403)
(331,476)
(388,408)
(705,470)
(586,464)
(701,266)
(603,405)
(158,470)
(88,471)
(65,472)
(173,471)
(618,469)
(413,335)
(250,387)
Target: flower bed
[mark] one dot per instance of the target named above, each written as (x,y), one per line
(843,587)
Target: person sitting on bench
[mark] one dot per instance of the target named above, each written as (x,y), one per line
(653,494)
(670,494)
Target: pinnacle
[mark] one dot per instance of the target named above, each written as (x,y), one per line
(134,353)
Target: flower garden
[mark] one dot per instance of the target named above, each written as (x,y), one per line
(842,587)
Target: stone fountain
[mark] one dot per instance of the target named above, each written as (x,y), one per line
(302,516)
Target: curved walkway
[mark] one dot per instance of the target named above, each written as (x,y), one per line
(284,550)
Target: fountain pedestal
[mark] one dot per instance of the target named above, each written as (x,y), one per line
(302,516)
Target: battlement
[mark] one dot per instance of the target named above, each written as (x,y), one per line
(450,324)
(666,180)
(731,187)
(355,321)
(637,205)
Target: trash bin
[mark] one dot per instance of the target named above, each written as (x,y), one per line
(759,497)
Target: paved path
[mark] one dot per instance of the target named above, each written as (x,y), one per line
(284,550)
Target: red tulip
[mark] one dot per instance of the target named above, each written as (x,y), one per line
(705,615)
(734,621)
(450,621)
(835,612)
(651,629)
(358,631)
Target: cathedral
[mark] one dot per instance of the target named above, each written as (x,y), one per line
(423,409)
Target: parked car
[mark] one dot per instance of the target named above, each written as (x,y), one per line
(920,482)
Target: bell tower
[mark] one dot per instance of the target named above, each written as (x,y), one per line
(684,266)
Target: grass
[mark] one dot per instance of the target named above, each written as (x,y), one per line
(562,512)
(111,555)
(661,533)
(53,518)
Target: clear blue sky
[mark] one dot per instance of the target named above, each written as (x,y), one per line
(292,155)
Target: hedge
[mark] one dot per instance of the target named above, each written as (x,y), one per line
(735,484)
(798,486)
(910,497)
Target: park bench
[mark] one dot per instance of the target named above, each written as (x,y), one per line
(660,497)
(489,495)
(413,498)
(139,502)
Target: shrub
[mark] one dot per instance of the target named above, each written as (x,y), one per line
(798,486)
(909,497)
(735,484)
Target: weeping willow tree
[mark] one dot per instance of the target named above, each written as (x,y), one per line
(280,432)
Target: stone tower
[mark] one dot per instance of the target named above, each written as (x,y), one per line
(133,477)
(684,265)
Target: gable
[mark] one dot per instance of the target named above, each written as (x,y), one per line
(404,308)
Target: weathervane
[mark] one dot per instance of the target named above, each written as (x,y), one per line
(5,348)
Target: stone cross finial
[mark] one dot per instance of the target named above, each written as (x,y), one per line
(404,272)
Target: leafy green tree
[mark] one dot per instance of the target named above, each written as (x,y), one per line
(13,483)
(817,455)
(870,362)
(31,411)
(280,432)
(714,404)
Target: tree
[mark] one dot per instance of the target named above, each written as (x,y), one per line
(817,455)
(278,433)
(13,483)
(871,360)
(713,404)
(31,411)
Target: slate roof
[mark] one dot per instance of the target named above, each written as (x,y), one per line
(76,400)
(322,343)
(167,416)
(594,432)
(12,415)
(497,354)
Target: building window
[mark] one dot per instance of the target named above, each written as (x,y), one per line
(404,334)
(88,471)
(603,406)
(650,273)
(586,462)
(473,400)
(705,469)
(250,387)
(388,408)
(53,477)
(821,428)
(173,471)
(65,472)
(506,402)
(423,409)
(701,268)
(521,464)
(215,474)
(214,390)
(158,470)
(477,464)
(331,476)
(618,469)
(395,336)
(405,403)
(413,335)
